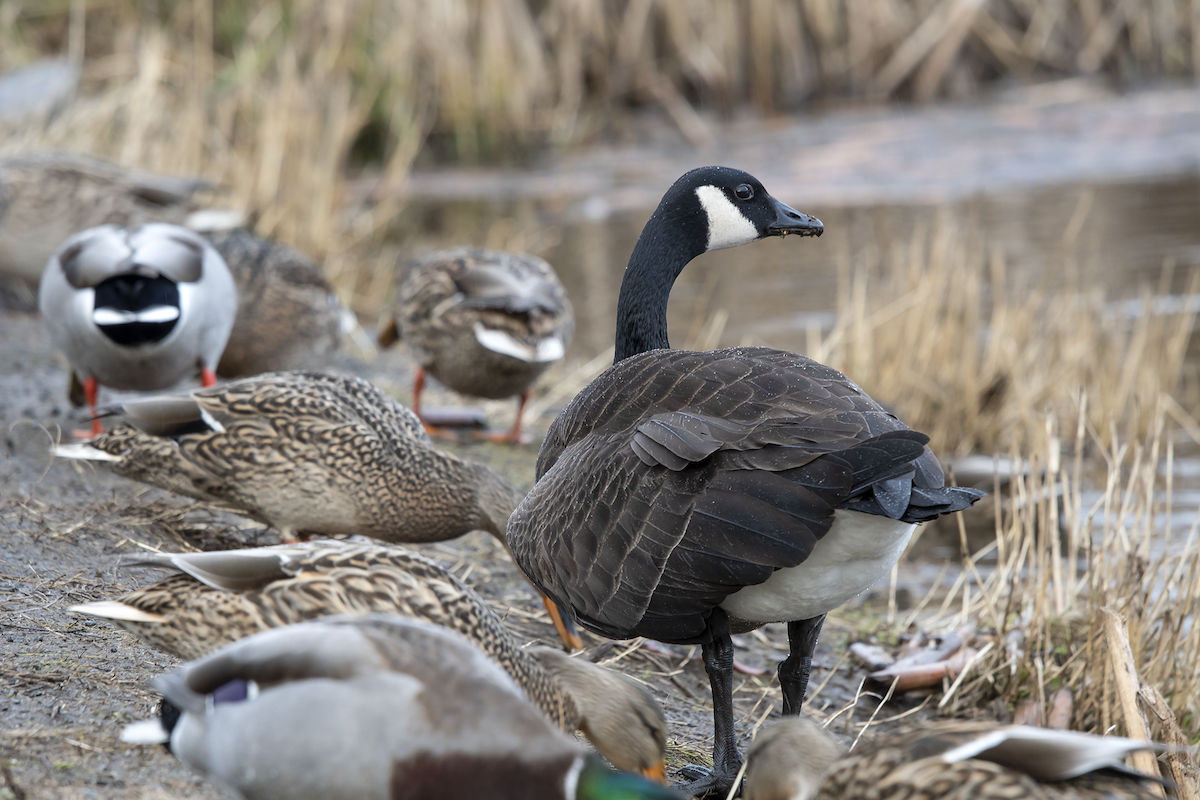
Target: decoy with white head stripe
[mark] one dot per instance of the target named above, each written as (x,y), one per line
(374,708)
(137,309)
(685,496)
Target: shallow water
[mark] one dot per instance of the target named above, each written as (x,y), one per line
(1118,236)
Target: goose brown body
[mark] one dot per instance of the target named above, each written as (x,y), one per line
(675,444)
(221,597)
(48,196)
(308,454)
(684,496)
(795,759)
(288,315)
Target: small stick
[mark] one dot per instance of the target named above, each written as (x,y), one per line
(1125,675)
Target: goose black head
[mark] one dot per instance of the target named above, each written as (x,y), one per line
(709,208)
(739,210)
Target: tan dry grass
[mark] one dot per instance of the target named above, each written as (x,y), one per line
(1067,560)
(269,97)
(940,332)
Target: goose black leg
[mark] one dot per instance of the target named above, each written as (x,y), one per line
(794,670)
(727,761)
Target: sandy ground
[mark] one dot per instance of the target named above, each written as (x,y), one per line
(70,683)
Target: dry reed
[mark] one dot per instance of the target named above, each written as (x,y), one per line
(1000,354)
(275,98)
(1067,558)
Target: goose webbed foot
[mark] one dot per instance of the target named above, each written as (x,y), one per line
(707,783)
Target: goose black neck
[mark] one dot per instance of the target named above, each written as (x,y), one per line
(676,233)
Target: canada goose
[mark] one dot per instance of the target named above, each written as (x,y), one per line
(308,454)
(288,315)
(686,496)
(796,759)
(373,708)
(220,597)
(48,196)
(483,322)
(137,309)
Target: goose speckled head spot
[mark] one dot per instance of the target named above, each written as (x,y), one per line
(137,308)
(685,496)
(217,598)
(375,708)
(48,196)
(796,759)
(485,323)
(288,315)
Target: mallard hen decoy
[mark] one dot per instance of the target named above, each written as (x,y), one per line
(137,308)
(483,322)
(796,759)
(374,708)
(308,454)
(288,315)
(221,597)
(48,196)
(685,496)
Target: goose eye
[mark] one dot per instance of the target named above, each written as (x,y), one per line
(744,192)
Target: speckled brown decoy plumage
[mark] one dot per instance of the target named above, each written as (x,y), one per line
(48,196)
(308,454)
(288,315)
(485,323)
(795,759)
(221,597)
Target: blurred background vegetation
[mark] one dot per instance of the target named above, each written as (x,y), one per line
(278,99)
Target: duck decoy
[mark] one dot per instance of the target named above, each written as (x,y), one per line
(137,309)
(47,196)
(288,316)
(685,496)
(373,708)
(796,759)
(485,323)
(308,454)
(217,598)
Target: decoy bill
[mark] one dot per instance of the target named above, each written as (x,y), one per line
(686,496)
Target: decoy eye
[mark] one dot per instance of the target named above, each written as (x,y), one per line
(744,191)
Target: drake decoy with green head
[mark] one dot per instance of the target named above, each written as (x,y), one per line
(138,309)
(374,708)
(310,455)
(48,196)
(288,315)
(686,496)
(485,323)
(796,759)
(217,598)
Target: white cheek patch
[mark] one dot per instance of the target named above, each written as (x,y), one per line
(727,226)
(150,314)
